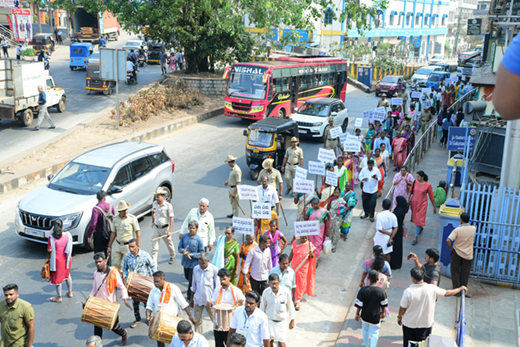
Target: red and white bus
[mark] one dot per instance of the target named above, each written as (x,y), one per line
(263,89)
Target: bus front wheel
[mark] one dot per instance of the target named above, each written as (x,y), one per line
(281,113)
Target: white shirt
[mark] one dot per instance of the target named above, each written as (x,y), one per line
(260,263)
(268,195)
(206,229)
(204,283)
(370,186)
(278,306)
(5,43)
(227,296)
(197,341)
(438,96)
(419,301)
(172,307)
(255,327)
(386,221)
(129,66)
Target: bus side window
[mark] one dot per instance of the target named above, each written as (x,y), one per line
(312,81)
(285,84)
(272,89)
(331,78)
(277,83)
(324,80)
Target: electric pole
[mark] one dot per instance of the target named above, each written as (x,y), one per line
(457,34)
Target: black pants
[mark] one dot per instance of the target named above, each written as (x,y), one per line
(117,329)
(460,269)
(101,245)
(137,314)
(5,51)
(258,286)
(369,203)
(188,275)
(444,139)
(220,338)
(415,334)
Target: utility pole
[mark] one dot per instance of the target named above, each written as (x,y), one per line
(457,34)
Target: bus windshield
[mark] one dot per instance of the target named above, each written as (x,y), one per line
(246,81)
(434,78)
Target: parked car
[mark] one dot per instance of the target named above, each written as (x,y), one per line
(312,116)
(130,171)
(94,58)
(421,75)
(437,59)
(436,77)
(135,45)
(390,85)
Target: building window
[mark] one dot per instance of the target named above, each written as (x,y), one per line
(329,15)
(433,21)
(417,21)
(399,20)
(408,20)
(443,21)
(392,20)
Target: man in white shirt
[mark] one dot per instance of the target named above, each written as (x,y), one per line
(167,297)
(267,194)
(204,282)
(225,294)
(417,308)
(277,304)
(370,178)
(206,224)
(251,322)
(186,337)
(259,258)
(386,227)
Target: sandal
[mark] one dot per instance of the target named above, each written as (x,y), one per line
(334,250)
(414,243)
(297,307)
(70,294)
(56,299)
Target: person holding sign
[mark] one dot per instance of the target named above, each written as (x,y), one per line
(319,214)
(293,157)
(267,194)
(302,259)
(370,177)
(278,241)
(235,177)
(370,134)
(274,176)
(259,259)
(381,166)
(336,208)
(328,141)
(350,197)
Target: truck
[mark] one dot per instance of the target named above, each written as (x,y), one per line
(90,27)
(19,81)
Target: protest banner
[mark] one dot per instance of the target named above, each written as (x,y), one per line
(244,225)
(316,168)
(427,91)
(303,186)
(358,123)
(379,114)
(415,95)
(351,145)
(331,178)
(246,192)
(336,132)
(301,173)
(397,101)
(368,114)
(261,210)
(307,228)
(326,155)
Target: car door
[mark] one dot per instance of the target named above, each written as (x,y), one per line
(51,93)
(342,116)
(122,179)
(143,185)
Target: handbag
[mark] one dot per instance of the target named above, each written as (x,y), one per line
(46,270)
(411,194)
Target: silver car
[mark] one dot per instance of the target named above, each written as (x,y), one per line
(130,171)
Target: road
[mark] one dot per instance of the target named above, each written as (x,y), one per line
(80,106)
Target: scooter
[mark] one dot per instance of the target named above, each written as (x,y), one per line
(131,77)
(141,60)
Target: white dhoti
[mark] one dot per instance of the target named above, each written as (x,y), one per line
(278,330)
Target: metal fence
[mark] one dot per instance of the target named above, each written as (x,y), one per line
(461,320)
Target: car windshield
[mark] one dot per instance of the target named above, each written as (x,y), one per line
(133,43)
(310,109)
(424,71)
(434,78)
(260,138)
(389,79)
(94,56)
(246,81)
(437,57)
(78,178)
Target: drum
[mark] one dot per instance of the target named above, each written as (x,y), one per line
(139,286)
(163,327)
(101,313)
(223,316)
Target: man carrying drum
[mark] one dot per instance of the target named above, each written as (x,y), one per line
(225,294)
(140,262)
(106,279)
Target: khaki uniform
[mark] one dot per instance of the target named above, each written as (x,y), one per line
(294,157)
(382,103)
(330,142)
(404,96)
(275,178)
(425,119)
(235,177)
(405,123)
(161,225)
(125,229)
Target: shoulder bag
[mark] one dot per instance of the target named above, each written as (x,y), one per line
(46,269)
(411,194)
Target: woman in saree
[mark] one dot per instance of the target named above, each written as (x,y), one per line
(402,182)
(317,213)
(336,208)
(341,171)
(350,166)
(350,197)
(359,156)
(250,243)
(262,225)
(303,261)
(231,257)
(326,191)
(399,150)
(380,162)
(276,238)
(301,200)
(409,136)
(369,137)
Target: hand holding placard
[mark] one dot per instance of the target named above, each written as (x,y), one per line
(336,132)
(261,210)
(303,186)
(326,155)
(331,178)
(246,192)
(306,228)
(301,173)
(316,168)
(244,226)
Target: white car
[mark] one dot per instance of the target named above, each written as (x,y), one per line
(421,75)
(135,45)
(312,116)
(437,59)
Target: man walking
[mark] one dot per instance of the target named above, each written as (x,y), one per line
(417,308)
(98,231)
(16,319)
(274,176)
(370,309)
(432,268)
(251,322)
(43,113)
(330,142)
(286,274)
(235,177)
(5,46)
(267,194)
(460,241)
(163,57)
(259,258)
(185,336)
(425,119)
(277,304)
(293,157)
(180,60)
(191,247)
(206,224)
(140,262)
(386,228)
(370,178)
(404,96)
(204,281)
(124,229)
(162,224)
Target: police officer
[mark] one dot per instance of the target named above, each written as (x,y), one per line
(274,176)
(235,177)
(293,157)
(404,96)
(328,141)
(162,223)
(124,229)
(383,102)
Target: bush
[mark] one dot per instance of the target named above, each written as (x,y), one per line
(28,52)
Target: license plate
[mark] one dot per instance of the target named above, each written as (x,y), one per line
(302,131)
(36,233)
(242,112)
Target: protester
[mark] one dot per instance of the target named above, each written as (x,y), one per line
(460,241)
(206,224)
(317,213)
(267,194)
(259,259)
(420,192)
(274,176)
(370,178)
(251,322)
(381,166)
(377,262)
(293,157)
(370,134)
(235,177)
(162,224)
(350,197)
(335,208)
(382,139)
(237,340)
(302,259)
(326,191)
(94,341)
(432,267)
(227,253)
(243,282)
(400,212)
(205,280)
(439,194)
(350,167)
(386,228)
(402,182)
(16,319)
(186,337)
(277,304)
(59,250)
(341,171)
(277,242)
(98,229)
(190,246)
(285,274)
(125,228)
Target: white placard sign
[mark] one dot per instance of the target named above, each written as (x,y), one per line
(261,210)
(368,114)
(244,226)
(303,186)
(246,192)
(397,101)
(331,178)
(326,155)
(358,123)
(351,146)
(301,173)
(343,137)
(307,228)
(336,132)
(316,168)
(415,95)
(427,91)
(379,114)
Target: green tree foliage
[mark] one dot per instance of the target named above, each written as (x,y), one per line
(352,51)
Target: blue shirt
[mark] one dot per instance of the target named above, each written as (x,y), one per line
(193,245)
(386,141)
(42,98)
(18,50)
(181,56)
(143,264)
(102,41)
(288,279)
(511,60)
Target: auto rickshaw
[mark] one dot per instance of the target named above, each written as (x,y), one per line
(154,52)
(94,81)
(79,54)
(43,41)
(268,138)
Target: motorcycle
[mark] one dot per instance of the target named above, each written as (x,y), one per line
(131,77)
(141,60)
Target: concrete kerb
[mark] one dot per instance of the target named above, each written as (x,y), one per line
(360,85)
(24,178)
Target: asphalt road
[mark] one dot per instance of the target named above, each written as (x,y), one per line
(80,106)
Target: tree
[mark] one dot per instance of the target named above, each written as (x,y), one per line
(404,52)
(351,50)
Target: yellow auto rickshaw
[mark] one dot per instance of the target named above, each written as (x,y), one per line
(43,41)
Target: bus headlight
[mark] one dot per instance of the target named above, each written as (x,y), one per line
(257,108)
(227,105)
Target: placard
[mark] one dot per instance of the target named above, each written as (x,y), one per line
(246,192)
(301,173)
(261,210)
(336,132)
(303,186)
(343,138)
(331,178)
(368,114)
(326,155)
(379,114)
(427,91)
(397,101)
(244,226)
(306,228)
(415,95)
(316,168)
(351,146)
(358,123)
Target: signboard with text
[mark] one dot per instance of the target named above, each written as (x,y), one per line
(244,226)
(307,228)
(474,26)
(457,138)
